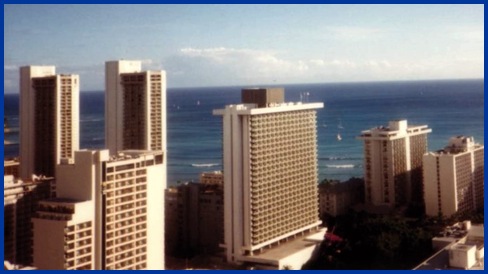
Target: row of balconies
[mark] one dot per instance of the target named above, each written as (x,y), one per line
(123,256)
(288,131)
(117,209)
(282,116)
(300,162)
(275,146)
(272,234)
(286,224)
(133,264)
(272,206)
(124,239)
(280,190)
(302,158)
(277,172)
(138,223)
(282,140)
(263,202)
(125,189)
(280,198)
(284,182)
(285,124)
(276,152)
(283,176)
(291,136)
(54,216)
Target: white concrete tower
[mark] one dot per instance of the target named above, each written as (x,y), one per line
(454,177)
(107,214)
(49,119)
(270,172)
(393,163)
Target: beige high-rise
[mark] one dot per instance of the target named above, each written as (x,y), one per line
(49,119)
(270,171)
(454,177)
(135,107)
(393,163)
(108,213)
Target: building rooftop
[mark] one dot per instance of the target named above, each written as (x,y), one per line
(395,128)
(458,144)
(462,237)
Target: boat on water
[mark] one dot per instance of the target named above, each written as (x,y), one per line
(339,137)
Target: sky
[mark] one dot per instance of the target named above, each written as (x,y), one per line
(242,45)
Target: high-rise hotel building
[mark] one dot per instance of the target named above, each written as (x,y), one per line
(107,214)
(49,119)
(270,172)
(454,177)
(135,107)
(393,163)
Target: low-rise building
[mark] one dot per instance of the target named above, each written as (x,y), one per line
(11,167)
(20,202)
(194,217)
(460,246)
(336,198)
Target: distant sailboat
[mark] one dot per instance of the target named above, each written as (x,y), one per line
(198,102)
(339,137)
(339,126)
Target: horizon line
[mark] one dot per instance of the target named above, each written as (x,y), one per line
(303,83)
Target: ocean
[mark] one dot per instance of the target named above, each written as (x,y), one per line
(448,107)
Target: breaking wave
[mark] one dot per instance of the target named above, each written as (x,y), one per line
(204,165)
(341,166)
(334,158)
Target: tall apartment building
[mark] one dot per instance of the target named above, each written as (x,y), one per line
(135,107)
(270,172)
(393,163)
(107,214)
(49,119)
(454,177)
(20,200)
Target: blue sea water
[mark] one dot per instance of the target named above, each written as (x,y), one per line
(450,108)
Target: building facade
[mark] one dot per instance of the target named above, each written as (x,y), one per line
(393,163)
(194,217)
(270,171)
(135,107)
(11,167)
(49,119)
(20,201)
(336,198)
(107,214)
(454,178)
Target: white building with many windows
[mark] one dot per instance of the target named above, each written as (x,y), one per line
(393,163)
(454,177)
(270,176)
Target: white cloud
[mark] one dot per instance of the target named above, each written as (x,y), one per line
(231,66)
